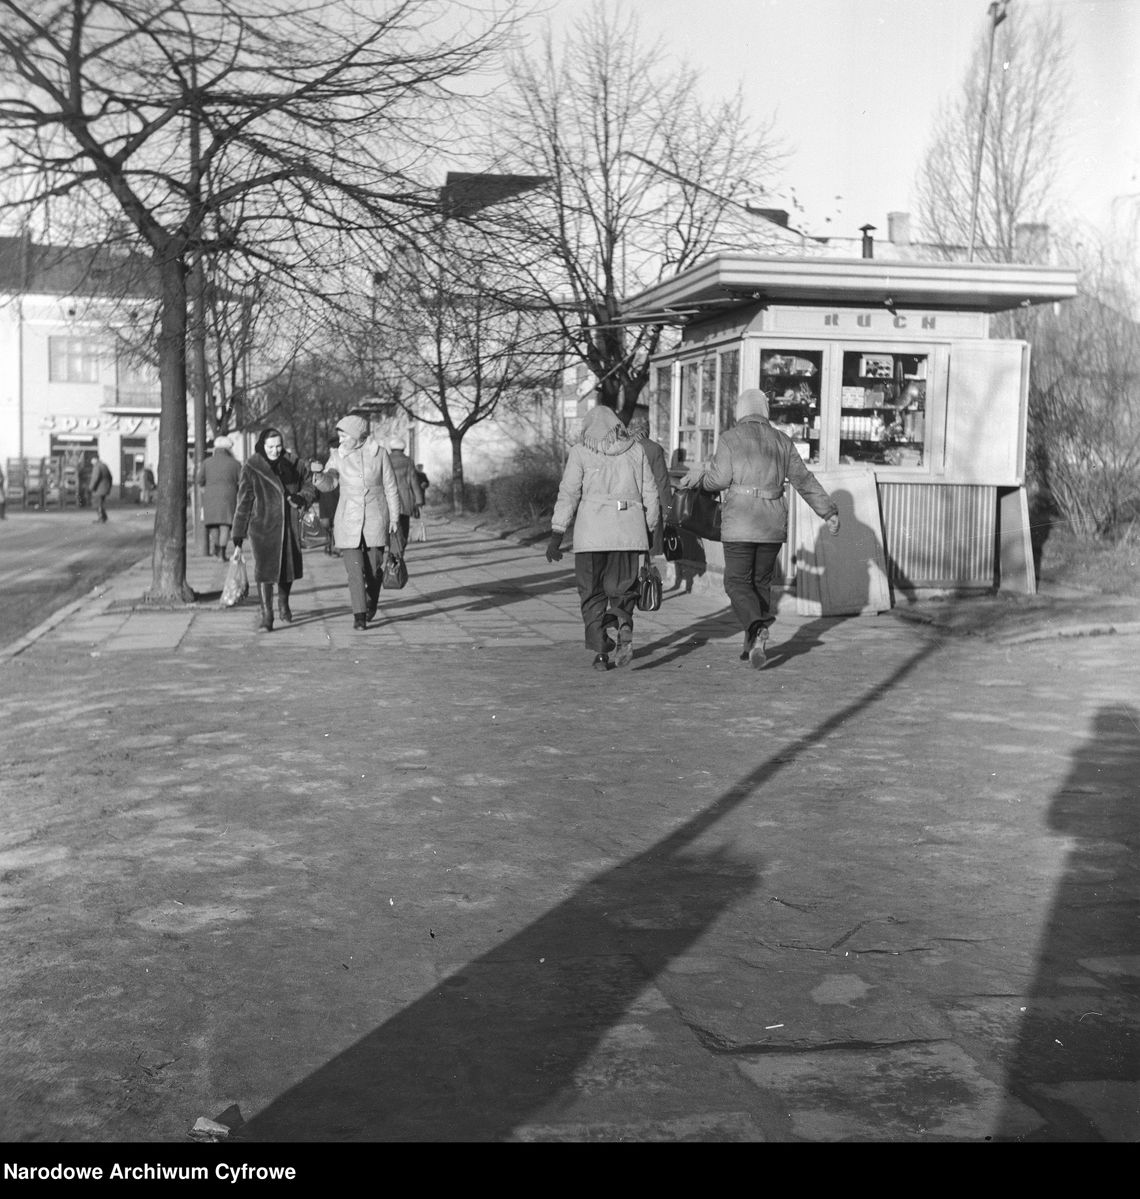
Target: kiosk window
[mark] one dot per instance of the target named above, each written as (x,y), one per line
(791,380)
(883,408)
(708,403)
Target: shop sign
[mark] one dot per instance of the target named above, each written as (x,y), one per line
(878,322)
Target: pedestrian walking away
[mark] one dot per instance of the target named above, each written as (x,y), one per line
(270,491)
(367,515)
(639,431)
(408,485)
(608,491)
(218,477)
(99,488)
(752,463)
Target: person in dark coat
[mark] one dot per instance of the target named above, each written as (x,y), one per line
(269,488)
(639,431)
(752,464)
(99,488)
(218,478)
(408,485)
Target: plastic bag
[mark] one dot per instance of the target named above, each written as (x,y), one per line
(421,531)
(236,586)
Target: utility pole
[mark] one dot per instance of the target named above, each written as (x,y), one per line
(997,15)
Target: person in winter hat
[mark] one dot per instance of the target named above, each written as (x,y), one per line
(609,493)
(752,463)
(367,514)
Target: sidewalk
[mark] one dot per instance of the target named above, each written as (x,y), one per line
(440,881)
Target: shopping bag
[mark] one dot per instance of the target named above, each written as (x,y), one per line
(236,586)
(421,531)
(395,572)
(696,511)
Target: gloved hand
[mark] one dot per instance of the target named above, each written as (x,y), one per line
(833,523)
(553,547)
(692,479)
(297,501)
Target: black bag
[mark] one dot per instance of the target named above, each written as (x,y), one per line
(395,572)
(648,588)
(696,511)
(671,542)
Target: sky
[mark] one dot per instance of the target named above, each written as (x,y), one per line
(854,86)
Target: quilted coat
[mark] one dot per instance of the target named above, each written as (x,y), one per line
(369,496)
(607,489)
(264,516)
(751,464)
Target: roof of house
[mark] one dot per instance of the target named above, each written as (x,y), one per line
(728,280)
(27,267)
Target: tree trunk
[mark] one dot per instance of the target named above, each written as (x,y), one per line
(168,580)
(456,472)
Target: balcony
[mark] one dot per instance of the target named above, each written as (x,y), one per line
(145,400)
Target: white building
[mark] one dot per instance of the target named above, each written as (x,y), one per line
(68,388)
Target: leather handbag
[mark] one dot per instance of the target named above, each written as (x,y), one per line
(671,544)
(648,588)
(395,572)
(696,511)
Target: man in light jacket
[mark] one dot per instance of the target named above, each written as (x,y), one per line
(752,463)
(609,493)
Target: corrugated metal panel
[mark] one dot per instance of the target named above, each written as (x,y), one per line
(938,535)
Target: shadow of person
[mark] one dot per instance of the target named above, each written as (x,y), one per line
(807,637)
(1077,1056)
(506,1035)
(720,625)
(843,575)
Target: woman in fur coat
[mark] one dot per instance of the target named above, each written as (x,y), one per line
(367,515)
(270,493)
(609,492)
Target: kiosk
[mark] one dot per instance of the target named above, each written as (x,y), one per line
(885,376)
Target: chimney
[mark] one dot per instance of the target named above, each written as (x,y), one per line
(898,228)
(868,240)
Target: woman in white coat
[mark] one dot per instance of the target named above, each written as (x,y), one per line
(608,492)
(367,513)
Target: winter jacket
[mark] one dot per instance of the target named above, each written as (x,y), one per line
(411,493)
(660,469)
(218,477)
(264,515)
(100,480)
(751,464)
(610,495)
(369,496)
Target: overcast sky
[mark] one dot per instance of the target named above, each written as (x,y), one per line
(855,84)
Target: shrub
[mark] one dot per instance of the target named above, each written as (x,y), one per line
(524,496)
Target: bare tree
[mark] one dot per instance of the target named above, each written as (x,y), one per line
(263,130)
(645,178)
(1017,119)
(1084,400)
(454,352)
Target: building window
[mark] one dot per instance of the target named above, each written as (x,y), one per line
(74,359)
(709,388)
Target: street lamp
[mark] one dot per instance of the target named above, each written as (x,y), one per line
(997,15)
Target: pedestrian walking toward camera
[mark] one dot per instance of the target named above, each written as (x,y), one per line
(99,488)
(752,463)
(270,488)
(608,491)
(218,478)
(408,485)
(367,516)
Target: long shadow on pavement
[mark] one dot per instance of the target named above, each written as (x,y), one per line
(495,1043)
(1077,1060)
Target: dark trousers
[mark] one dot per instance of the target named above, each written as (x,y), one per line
(748,569)
(362,565)
(405,523)
(100,502)
(607,588)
